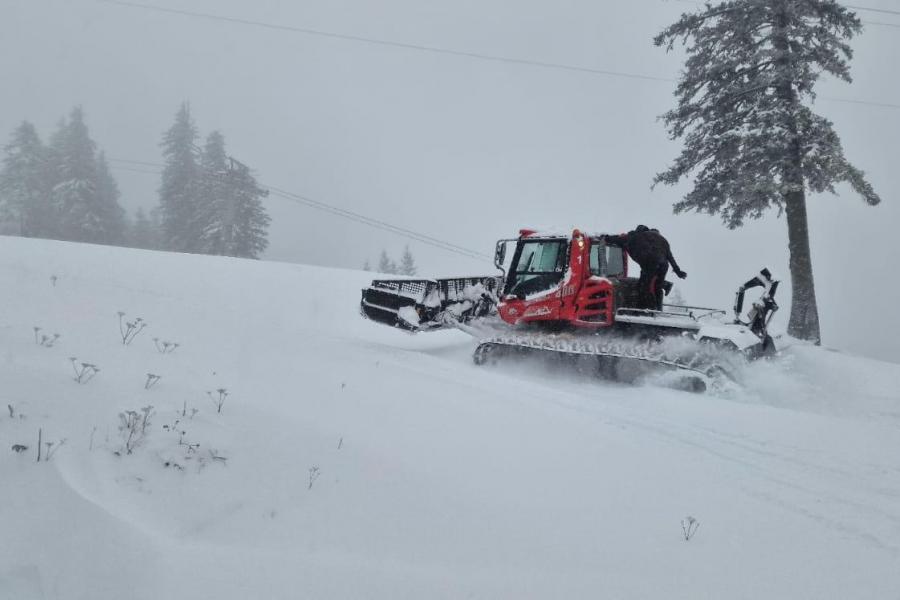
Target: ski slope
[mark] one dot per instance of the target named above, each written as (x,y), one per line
(355,461)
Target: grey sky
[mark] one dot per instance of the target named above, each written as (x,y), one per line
(461,149)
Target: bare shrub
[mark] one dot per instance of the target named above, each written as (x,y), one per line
(84,371)
(689,526)
(130,329)
(151,380)
(218,399)
(165,347)
(42,339)
(133,427)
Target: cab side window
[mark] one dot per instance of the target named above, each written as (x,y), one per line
(606,261)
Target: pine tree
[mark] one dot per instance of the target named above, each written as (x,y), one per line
(24,185)
(74,179)
(752,141)
(407,264)
(234,220)
(143,231)
(386,265)
(248,234)
(84,194)
(155,229)
(111,212)
(180,179)
(213,201)
(367,266)
(675,297)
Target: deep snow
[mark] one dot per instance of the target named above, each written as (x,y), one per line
(436,478)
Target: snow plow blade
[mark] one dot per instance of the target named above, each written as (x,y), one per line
(430,304)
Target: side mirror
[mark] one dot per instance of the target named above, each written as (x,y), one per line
(500,254)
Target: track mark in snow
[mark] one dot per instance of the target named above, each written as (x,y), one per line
(808,498)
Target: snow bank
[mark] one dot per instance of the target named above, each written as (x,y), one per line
(350,460)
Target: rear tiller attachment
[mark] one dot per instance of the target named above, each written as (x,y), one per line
(430,304)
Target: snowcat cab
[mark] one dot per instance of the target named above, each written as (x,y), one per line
(575,280)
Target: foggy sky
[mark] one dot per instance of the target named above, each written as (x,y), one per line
(461,149)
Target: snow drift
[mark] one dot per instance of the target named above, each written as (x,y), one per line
(349,460)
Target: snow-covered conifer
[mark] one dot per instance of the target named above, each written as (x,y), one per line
(180,179)
(750,136)
(24,185)
(231,215)
(144,232)
(111,213)
(212,196)
(386,265)
(249,234)
(84,194)
(407,263)
(75,179)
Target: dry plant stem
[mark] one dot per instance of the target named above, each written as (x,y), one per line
(689,527)
(130,329)
(55,447)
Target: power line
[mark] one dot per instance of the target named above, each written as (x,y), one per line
(865,102)
(882,24)
(885,11)
(378,224)
(444,51)
(389,43)
(422,238)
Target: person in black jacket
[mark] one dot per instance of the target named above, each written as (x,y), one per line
(651,251)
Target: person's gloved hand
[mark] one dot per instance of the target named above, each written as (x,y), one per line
(681,274)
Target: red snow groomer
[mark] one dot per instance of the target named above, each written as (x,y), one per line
(571,296)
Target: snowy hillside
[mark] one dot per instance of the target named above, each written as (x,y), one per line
(353,461)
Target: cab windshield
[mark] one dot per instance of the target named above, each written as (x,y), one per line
(539,265)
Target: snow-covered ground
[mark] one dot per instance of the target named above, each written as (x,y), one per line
(353,461)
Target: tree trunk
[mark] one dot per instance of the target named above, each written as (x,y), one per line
(804,320)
